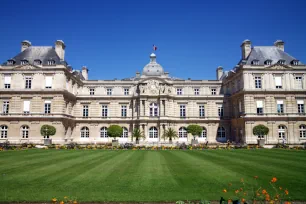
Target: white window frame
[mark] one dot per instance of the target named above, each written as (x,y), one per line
(153,132)
(48,82)
(7,81)
(126,91)
(6,107)
(154,109)
(182,111)
(28,82)
(220,110)
(213,91)
(221,132)
(280,106)
(179,91)
(109,91)
(104,111)
(85,111)
(259,107)
(300,106)
(103,132)
(25,132)
(3,132)
(204,133)
(47,107)
(84,132)
(258,84)
(196,91)
(125,132)
(278,82)
(298,82)
(182,132)
(282,131)
(26,107)
(302,131)
(91,91)
(124,111)
(202,111)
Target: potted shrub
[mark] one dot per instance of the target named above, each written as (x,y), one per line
(114,131)
(195,130)
(260,131)
(137,134)
(170,134)
(47,131)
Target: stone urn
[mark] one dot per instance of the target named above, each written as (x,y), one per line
(261,142)
(115,143)
(47,141)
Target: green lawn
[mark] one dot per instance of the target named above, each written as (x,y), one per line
(126,175)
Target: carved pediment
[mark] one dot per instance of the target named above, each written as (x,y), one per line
(279,67)
(27,66)
(154,87)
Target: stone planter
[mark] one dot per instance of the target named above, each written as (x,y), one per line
(47,142)
(194,142)
(261,142)
(115,143)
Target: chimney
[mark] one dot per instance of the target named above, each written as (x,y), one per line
(25,44)
(246,47)
(280,44)
(60,49)
(167,74)
(85,72)
(219,72)
(137,74)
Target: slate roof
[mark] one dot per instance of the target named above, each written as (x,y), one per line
(43,53)
(263,53)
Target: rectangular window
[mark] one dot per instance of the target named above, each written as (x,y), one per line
(298,82)
(259,107)
(278,82)
(196,91)
(300,104)
(220,111)
(201,111)
(104,111)
(213,91)
(123,111)
(91,92)
(109,91)
(5,107)
(280,106)
(85,111)
(28,82)
(7,81)
(126,91)
(26,107)
(48,82)
(47,107)
(179,91)
(258,82)
(183,111)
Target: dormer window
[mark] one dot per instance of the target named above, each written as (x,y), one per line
(255,62)
(37,62)
(10,62)
(268,62)
(295,62)
(51,62)
(281,62)
(23,62)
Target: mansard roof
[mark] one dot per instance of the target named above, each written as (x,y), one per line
(263,53)
(42,53)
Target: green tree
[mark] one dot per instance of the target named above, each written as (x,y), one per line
(195,130)
(47,130)
(260,130)
(114,131)
(170,134)
(137,134)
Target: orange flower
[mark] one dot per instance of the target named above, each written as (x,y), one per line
(274,179)
(287,202)
(54,199)
(241,189)
(236,191)
(286,192)
(62,202)
(280,188)
(255,177)
(224,190)
(264,191)
(242,200)
(75,202)
(229,201)
(267,198)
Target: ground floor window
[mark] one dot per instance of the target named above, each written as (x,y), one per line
(25,131)
(124,132)
(204,133)
(84,132)
(182,132)
(282,131)
(302,131)
(221,132)
(153,133)
(3,131)
(103,132)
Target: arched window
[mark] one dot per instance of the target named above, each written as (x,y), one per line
(255,62)
(84,132)
(182,132)
(153,133)
(153,109)
(282,131)
(3,131)
(268,62)
(25,131)
(204,133)
(103,132)
(37,62)
(125,132)
(221,132)
(303,131)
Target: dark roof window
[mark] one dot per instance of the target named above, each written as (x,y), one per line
(255,62)
(268,62)
(51,62)
(10,62)
(281,62)
(37,62)
(295,62)
(22,62)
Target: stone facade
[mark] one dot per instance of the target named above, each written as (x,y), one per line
(38,87)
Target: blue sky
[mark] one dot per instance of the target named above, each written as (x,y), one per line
(114,38)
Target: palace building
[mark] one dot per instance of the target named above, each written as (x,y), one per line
(38,86)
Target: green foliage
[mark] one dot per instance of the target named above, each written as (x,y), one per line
(260,130)
(195,130)
(114,131)
(47,130)
(170,134)
(137,134)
